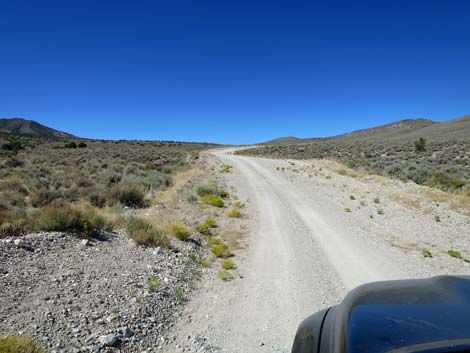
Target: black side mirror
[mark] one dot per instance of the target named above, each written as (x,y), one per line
(407,316)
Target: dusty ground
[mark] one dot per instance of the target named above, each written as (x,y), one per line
(315,234)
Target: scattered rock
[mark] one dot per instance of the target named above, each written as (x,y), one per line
(108,340)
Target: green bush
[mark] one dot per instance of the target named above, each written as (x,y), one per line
(224,275)
(221,250)
(70,145)
(206,227)
(145,234)
(127,194)
(13,146)
(19,344)
(426,253)
(213,200)
(81,145)
(153,284)
(454,253)
(234,213)
(420,145)
(226,168)
(180,232)
(347,209)
(227,264)
(211,190)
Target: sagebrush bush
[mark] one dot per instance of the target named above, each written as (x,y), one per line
(19,344)
(127,194)
(145,234)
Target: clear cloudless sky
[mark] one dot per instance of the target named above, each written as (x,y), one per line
(232,71)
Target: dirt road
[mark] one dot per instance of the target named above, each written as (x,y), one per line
(303,256)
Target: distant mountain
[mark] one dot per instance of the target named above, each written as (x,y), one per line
(456,129)
(20,126)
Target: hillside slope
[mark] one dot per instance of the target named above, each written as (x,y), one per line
(20,126)
(408,129)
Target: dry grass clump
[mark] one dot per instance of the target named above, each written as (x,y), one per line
(180,232)
(60,216)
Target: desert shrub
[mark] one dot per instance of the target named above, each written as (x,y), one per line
(426,253)
(206,226)
(239,204)
(60,216)
(13,146)
(347,209)
(17,200)
(227,264)
(81,145)
(446,182)
(43,197)
(113,179)
(155,181)
(454,253)
(224,275)
(226,168)
(14,185)
(376,199)
(153,284)
(19,344)
(70,145)
(180,232)
(179,295)
(97,200)
(13,163)
(213,200)
(420,145)
(380,211)
(145,234)
(221,250)
(11,229)
(207,189)
(212,240)
(234,213)
(127,194)
(197,259)
(419,176)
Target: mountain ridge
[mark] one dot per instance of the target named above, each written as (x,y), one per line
(20,126)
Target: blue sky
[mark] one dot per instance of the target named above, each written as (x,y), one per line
(232,71)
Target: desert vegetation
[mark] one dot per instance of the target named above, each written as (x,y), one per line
(57,185)
(444,165)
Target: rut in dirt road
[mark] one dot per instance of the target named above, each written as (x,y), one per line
(299,260)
